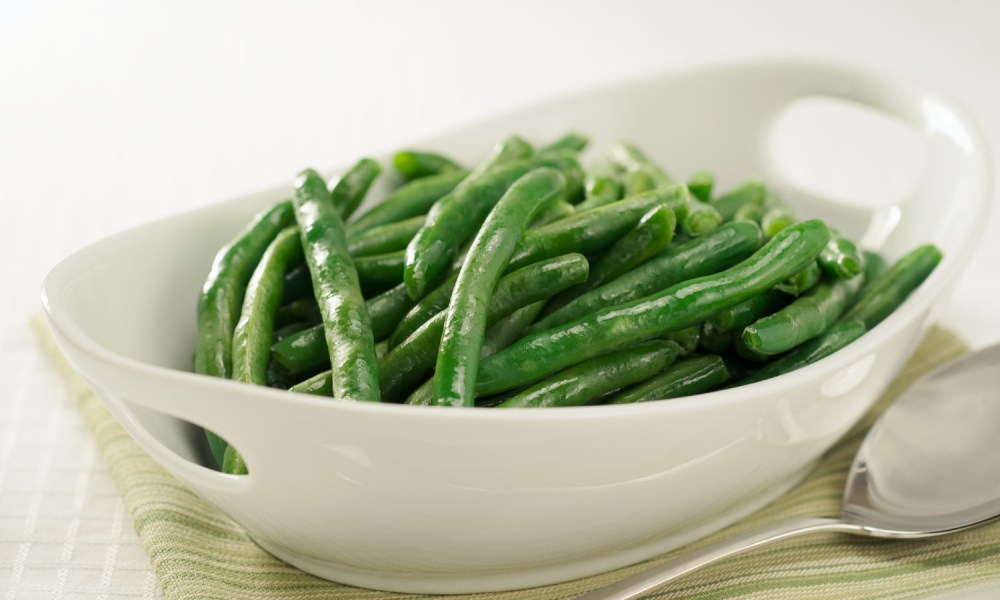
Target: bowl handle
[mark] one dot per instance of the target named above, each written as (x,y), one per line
(953,143)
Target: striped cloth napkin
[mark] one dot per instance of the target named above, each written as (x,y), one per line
(197,552)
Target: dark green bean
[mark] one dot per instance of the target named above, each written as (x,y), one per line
(303,309)
(413,199)
(583,383)
(221,297)
(687,339)
(457,217)
(805,318)
(593,230)
(701,256)
(254,331)
(553,211)
(418,164)
(338,292)
(716,343)
(298,282)
(255,328)
(428,306)
(887,292)
(833,339)
(348,191)
(500,335)
(387,309)
(466,319)
(685,378)
(651,236)
(739,316)
(380,272)
(384,238)
(306,349)
(841,258)
(677,307)
(411,361)
(801,282)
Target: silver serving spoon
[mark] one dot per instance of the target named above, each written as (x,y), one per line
(929,466)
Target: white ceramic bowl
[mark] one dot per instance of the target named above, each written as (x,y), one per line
(422,499)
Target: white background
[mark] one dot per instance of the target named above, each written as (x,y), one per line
(113,114)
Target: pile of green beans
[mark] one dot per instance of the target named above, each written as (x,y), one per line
(534,278)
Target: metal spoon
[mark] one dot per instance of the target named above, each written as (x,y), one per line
(929,466)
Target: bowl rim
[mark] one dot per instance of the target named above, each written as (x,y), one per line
(75,266)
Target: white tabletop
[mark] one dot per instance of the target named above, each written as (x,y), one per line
(114,114)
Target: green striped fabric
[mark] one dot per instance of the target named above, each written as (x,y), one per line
(197,552)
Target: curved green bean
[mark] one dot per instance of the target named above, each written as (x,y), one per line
(685,378)
(677,307)
(419,164)
(465,320)
(381,239)
(885,293)
(413,199)
(585,382)
(348,190)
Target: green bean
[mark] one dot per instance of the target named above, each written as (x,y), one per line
(428,306)
(841,258)
(685,378)
(465,320)
(456,218)
(651,236)
(511,150)
(701,256)
(418,164)
(687,339)
(384,238)
(221,299)
(677,307)
(411,361)
(887,292)
(701,184)
(283,332)
(338,292)
(306,349)
(593,230)
(573,141)
(805,318)
(600,189)
(589,380)
(387,309)
(298,282)
(303,309)
(874,266)
(380,272)
(750,212)
(801,282)
(629,158)
(553,211)
(730,202)
(774,219)
(739,316)
(716,343)
(699,218)
(833,339)
(348,191)
(413,199)
(500,335)
(320,384)
(255,330)
(638,181)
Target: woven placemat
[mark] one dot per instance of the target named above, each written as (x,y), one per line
(197,552)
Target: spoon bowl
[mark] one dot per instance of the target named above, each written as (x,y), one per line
(929,466)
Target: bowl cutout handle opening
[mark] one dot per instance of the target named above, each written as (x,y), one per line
(862,150)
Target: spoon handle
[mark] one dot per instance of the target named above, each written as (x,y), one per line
(638,584)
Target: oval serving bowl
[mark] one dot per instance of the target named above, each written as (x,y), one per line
(431,500)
